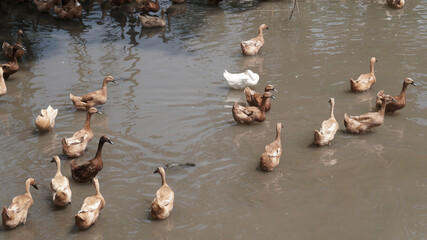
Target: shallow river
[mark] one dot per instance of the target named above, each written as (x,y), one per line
(172,105)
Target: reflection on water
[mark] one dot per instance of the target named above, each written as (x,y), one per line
(172,105)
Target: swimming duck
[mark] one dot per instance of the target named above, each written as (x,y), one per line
(88,170)
(93,99)
(270,159)
(3,88)
(45,121)
(255,99)
(89,211)
(400,100)
(365,81)
(252,46)
(327,130)
(12,66)
(148,21)
(396,3)
(76,145)
(44,5)
(8,48)
(162,204)
(364,122)
(241,80)
(69,11)
(148,6)
(247,115)
(16,213)
(60,186)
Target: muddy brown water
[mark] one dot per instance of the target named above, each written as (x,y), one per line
(173,106)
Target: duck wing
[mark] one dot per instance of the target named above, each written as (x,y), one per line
(164,196)
(90,204)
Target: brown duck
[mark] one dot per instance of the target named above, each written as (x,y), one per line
(365,81)
(76,145)
(148,6)
(44,6)
(8,48)
(69,11)
(88,170)
(162,204)
(12,66)
(247,115)
(270,159)
(253,45)
(93,99)
(90,209)
(255,99)
(364,122)
(396,3)
(16,213)
(400,100)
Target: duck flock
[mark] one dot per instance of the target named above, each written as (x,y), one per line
(162,205)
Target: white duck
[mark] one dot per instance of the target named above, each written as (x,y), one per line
(46,119)
(241,80)
(60,186)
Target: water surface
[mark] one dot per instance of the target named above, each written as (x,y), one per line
(173,106)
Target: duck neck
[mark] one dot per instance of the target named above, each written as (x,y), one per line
(104,86)
(88,117)
(163,15)
(372,66)
(58,166)
(332,109)
(382,109)
(96,183)
(403,92)
(19,39)
(15,58)
(162,174)
(98,152)
(260,33)
(278,131)
(27,188)
(264,100)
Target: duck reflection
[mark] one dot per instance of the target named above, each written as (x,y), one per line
(175,10)
(151,32)
(327,157)
(254,63)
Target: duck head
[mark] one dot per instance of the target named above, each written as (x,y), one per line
(410,81)
(269,88)
(106,139)
(32,182)
(93,110)
(268,95)
(110,79)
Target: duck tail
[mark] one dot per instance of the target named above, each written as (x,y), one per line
(5,45)
(51,113)
(73,165)
(5,214)
(59,196)
(346,119)
(317,137)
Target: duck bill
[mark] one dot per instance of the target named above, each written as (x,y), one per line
(273,97)
(157,171)
(115,82)
(100,113)
(111,142)
(35,186)
(275,90)
(413,83)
